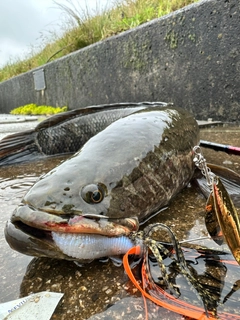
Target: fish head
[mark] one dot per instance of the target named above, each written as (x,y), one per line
(61,203)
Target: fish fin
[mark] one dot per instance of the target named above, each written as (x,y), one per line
(25,146)
(230,178)
(61,117)
(19,147)
(225,173)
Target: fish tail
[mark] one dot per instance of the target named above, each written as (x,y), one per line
(19,147)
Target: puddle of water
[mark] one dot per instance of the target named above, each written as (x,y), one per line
(14,183)
(97,290)
(10,128)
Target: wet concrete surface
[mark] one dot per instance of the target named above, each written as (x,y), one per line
(10,124)
(101,290)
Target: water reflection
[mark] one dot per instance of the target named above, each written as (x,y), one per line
(217,272)
(103,291)
(14,183)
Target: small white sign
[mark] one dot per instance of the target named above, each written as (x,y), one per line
(38,306)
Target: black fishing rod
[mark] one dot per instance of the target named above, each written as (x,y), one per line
(220,147)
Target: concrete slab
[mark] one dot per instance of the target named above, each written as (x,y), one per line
(10,124)
(210,123)
(11,118)
(190,57)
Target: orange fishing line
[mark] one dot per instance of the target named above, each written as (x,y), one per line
(183,308)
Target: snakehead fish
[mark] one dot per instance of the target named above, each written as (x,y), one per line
(64,133)
(86,207)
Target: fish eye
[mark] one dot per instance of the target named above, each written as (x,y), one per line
(93,193)
(96,196)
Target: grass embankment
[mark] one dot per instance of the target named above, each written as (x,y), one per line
(83,29)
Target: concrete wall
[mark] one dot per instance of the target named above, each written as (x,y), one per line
(190,58)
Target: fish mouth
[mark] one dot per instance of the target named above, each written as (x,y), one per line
(76,237)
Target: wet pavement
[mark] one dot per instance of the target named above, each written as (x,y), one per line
(13,123)
(101,290)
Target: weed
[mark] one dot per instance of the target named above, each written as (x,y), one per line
(33,109)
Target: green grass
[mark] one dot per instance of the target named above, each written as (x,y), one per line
(83,29)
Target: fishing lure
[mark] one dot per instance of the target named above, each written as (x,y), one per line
(151,290)
(146,243)
(222,223)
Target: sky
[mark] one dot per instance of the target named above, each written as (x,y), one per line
(25,24)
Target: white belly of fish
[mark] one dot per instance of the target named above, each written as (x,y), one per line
(89,247)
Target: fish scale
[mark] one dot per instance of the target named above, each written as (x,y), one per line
(120,177)
(70,137)
(65,132)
